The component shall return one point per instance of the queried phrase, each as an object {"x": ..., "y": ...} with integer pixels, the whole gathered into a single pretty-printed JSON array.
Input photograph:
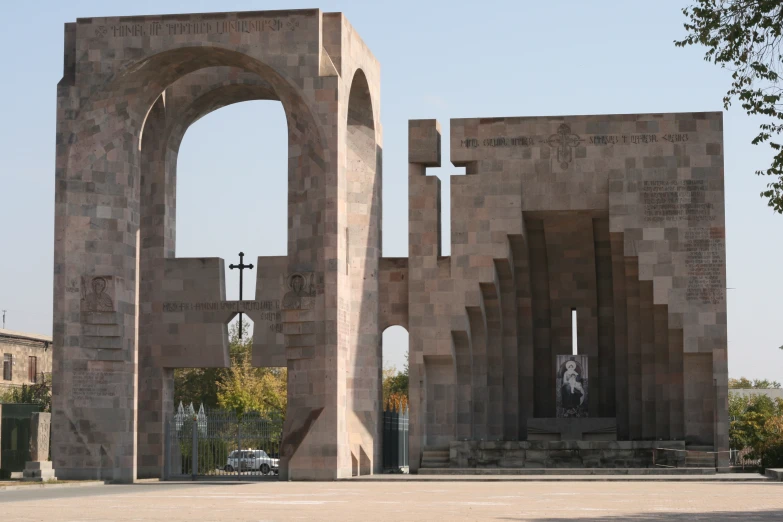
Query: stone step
[
  {"x": 571, "y": 471},
  {"x": 436, "y": 454},
  {"x": 435, "y": 457}
]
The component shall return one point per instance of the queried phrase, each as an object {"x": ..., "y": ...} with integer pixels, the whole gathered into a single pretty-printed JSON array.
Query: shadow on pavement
[{"x": 716, "y": 516}]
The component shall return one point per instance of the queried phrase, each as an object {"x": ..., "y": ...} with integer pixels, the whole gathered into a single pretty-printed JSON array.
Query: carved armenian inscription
[
  {"x": 88, "y": 384},
  {"x": 222, "y": 306},
  {"x": 596, "y": 139},
  {"x": 262, "y": 310},
  {"x": 673, "y": 200},
  {"x": 163, "y": 28},
  {"x": 705, "y": 259}
]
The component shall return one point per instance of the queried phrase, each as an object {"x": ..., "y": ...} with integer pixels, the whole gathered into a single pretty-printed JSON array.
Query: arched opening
[
  {"x": 394, "y": 387},
  {"x": 232, "y": 197},
  {"x": 195, "y": 97},
  {"x": 395, "y": 367},
  {"x": 360, "y": 234},
  {"x": 232, "y": 189}
]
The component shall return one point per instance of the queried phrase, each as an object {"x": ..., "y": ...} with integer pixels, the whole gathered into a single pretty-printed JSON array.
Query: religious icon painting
[
  {"x": 572, "y": 398},
  {"x": 97, "y": 294},
  {"x": 300, "y": 291}
]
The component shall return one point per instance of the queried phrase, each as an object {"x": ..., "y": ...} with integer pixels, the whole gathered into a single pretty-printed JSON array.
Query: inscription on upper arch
[{"x": 160, "y": 28}]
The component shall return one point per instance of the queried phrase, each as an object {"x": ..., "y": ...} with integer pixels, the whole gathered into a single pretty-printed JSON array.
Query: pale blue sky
[{"x": 444, "y": 59}]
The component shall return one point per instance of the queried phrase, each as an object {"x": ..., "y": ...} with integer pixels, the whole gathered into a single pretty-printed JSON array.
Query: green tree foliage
[
  {"x": 198, "y": 386},
  {"x": 240, "y": 388},
  {"x": 395, "y": 388},
  {"x": 38, "y": 393},
  {"x": 756, "y": 422},
  {"x": 756, "y": 384},
  {"x": 744, "y": 36}
]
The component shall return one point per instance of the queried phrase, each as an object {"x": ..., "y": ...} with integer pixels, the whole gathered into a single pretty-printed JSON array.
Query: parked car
[{"x": 252, "y": 460}]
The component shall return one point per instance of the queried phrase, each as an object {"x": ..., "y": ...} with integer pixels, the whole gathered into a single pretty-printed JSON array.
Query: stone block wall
[{"x": 565, "y": 454}]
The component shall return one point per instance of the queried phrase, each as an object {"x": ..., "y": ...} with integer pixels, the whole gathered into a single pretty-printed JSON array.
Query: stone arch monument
[
  {"x": 593, "y": 239},
  {"x": 130, "y": 89}
]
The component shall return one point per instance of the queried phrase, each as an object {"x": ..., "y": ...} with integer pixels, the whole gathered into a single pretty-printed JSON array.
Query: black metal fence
[
  {"x": 218, "y": 444},
  {"x": 395, "y": 439},
  {"x": 15, "y": 436}
]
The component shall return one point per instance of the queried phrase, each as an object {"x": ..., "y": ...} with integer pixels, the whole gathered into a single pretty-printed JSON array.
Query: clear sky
[{"x": 439, "y": 59}]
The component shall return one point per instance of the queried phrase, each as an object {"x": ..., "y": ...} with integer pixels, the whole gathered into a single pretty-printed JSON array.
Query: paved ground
[{"x": 401, "y": 501}]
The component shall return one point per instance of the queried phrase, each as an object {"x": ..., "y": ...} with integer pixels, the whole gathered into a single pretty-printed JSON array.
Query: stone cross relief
[{"x": 564, "y": 141}]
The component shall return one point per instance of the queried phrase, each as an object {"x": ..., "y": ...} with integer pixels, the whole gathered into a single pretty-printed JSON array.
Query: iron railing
[
  {"x": 395, "y": 440},
  {"x": 685, "y": 458},
  {"x": 219, "y": 444}
]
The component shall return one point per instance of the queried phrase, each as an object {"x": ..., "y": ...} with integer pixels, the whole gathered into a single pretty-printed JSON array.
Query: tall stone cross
[{"x": 241, "y": 266}]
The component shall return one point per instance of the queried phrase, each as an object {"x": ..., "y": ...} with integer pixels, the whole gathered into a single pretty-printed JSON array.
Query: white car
[{"x": 252, "y": 460}]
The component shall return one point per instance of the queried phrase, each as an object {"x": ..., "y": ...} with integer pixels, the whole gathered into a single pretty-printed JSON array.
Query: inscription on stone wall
[
  {"x": 673, "y": 200},
  {"x": 596, "y": 139},
  {"x": 499, "y": 141},
  {"x": 89, "y": 384},
  {"x": 705, "y": 260},
  {"x": 226, "y": 306},
  {"x": 195, "y": 28}
]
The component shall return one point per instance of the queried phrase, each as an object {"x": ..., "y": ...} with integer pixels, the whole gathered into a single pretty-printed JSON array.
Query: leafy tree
[
  {"x": 198, "y": 385},
  {"x": 395, "y": 388},
  {"x": 240, "y": 388},
  {"x": 744, "y": 36},
  {"x": 770, "y": 447},
  {"x": 245, "y": 388},
  {"x": 756, "y": 422},
  {"x": 38, "y": 393},
  {"x": 757, "y": 384}
]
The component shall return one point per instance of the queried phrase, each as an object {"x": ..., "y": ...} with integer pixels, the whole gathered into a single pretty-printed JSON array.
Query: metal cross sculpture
[
  {"x": 241, "y": 266},
  {"x": 564, "y": 140}
]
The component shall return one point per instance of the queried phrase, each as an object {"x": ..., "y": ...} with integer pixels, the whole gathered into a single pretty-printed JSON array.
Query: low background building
[{"x": 25, "y": 358}]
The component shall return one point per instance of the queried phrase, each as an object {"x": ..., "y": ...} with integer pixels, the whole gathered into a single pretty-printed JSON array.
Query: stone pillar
[
  {"x": 39, "y": 468},
  {"x": 423, "y": 251}
]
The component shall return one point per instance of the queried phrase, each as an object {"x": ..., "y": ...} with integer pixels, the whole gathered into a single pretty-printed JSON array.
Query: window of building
[
  {"x": 32, "y": 369},
  {"x": 8, "y": 361}
]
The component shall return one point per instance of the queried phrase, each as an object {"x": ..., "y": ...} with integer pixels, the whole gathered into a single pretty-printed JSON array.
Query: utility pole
[{"x": 4, "y": 311}]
